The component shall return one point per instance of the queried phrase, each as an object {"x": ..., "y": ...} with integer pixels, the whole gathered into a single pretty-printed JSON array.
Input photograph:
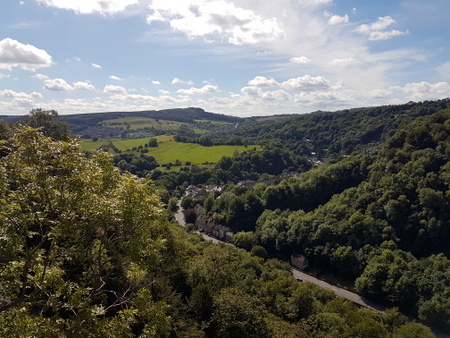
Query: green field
[
  {"x": 136, "y": 123},
  {"x": 169, "y": 151}
]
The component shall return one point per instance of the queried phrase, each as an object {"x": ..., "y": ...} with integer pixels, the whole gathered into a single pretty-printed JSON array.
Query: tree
[
  {"x": 187, "y": 202},
  {"x": 5, "y": 130},
  {"x": 49, "y": 124},
  {"x": 153, "y": 142},
  {"x": 237, "y": 314},
  {"x": 76, "y": 242},
  {"x": 245, "y": 240},
  {"x": 413, "y": 330}
]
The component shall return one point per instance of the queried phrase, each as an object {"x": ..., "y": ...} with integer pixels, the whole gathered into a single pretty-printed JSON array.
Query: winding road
[
  {"x": 355, "y": 298},
  {"x": 179, "y": 217},
  {"x": 351, "y": 296}
]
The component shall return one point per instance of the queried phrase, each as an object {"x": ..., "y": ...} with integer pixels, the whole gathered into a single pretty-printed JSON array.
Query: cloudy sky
[{"x": 237, "y": 57}]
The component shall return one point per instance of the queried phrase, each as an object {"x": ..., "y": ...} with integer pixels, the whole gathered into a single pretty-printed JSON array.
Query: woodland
[{"x": 90, "y": 248}]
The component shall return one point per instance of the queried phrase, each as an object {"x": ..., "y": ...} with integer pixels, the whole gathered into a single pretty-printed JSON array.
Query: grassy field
[
  {"x": 169, "y": 151},
  {"x": 136, "y": 123}
]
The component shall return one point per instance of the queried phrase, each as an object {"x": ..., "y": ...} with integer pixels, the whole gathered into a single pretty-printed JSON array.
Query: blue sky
[{"x": 236, "y": 57}]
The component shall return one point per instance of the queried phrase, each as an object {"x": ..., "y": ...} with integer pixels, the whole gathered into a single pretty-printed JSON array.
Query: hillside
[
  {"x": 89, "y": 248},
  {"x": 334, "y": 134},
  {"x": 379, "y": 218},
  {"x": 88, "y": 251},
  {"x": 117, "y": 124}
]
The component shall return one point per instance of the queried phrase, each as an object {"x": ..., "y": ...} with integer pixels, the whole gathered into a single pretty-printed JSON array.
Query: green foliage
[
  {"x": 48, "y": 122},
  {"x": 153, "y": 143},
  {"x": 244, "y": 240},
  {"x": 140, "y": 165},
  {"x": 334, "y": 134},
  {"x": 77, "y": 239},
  {"x": 413, "y": 330},
  {"x": 187, "y": 202},
  {"x": 379, "y": 218},
  {"x": 87, "y": 251},
  {"x": 236, "y": 314}
]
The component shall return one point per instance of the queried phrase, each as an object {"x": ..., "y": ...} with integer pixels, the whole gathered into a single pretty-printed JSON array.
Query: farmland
[
  {"x": 169, "y": 151},
  {"x": 136, "y": 123}
]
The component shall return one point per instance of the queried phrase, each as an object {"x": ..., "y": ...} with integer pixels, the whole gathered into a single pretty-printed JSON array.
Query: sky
[{"x": 235, "y": 57}]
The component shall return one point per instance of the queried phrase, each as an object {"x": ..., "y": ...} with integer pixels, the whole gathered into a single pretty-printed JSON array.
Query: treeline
[
  {"x": 334, "y": 134},
  {"x": 88, "y": 251},
  {"x": 249, "y": 165},
  {"x": 381, "y": 219},
  {"x": 186, "y": 135}
]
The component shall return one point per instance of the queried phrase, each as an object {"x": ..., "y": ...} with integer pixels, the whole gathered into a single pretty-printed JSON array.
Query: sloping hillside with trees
[
  {"x": 381, "y": 219},
  {"x": 86, "y": 250}
]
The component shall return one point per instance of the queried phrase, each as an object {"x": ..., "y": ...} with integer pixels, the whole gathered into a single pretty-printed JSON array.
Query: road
[
  {"x": 351, "y": 296},
  {"x": 179, "y": 217}
]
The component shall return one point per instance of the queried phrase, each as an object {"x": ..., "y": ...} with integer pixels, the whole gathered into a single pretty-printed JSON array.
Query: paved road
[
  {"x": 355, "y": 298},
  {"x": 179, "y": 217}
]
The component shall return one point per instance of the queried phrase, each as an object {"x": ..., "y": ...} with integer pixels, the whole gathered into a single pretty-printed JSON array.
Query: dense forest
[
  {"x": 89, "y": 249},
  {"x": 380, "y": 218}
]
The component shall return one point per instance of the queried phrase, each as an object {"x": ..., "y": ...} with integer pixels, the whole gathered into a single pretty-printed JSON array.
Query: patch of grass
[
  {"x": 87, "y": 144},
  {"x": 169, "y": 151},
  {"x": 128, "y": 144},
  {"x": 136, "y": 123}
]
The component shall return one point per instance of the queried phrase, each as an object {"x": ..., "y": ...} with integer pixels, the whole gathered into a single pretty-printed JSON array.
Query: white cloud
[
  {"x": 4, "y": 76},
  {"x": 307, "y": 83},
  {"x": 379, "y": 93},
  {"x": 113, "y": 77},
  {"x": 57, "y": 85},
  {"x": 197, "y": 18},
  {"x": 419, "y": 91},
  {"x": 83, "y": 85},
  {"x": 40, "y": 76},
  {"x": 111, "y": 89},
  {"x": 252, "y": 91},
  {"x": 344, "y": 62},
  {"x": 60, "y": 85},
  {"x": 300, "y": 59},
  {"x": 257, "y": 93},
  {"x": 385, "y": 35},
  {"x": 20, "y": 99},
  {"x": 94, "y": 65},
  {"x": 178, "y": 81},
  {"x": 375, "y": 29},
  {"x": 19, "y": 95},
  {"x": 163, "y": 92},
  {"x": 90, "y": 6},
  {"x": 315, "y": 2},
  {"x": 199, "y": 91},
  {"x": 276, "y": 95},
  {"x": 28, "y": 57},
  {"x": 338, "y": 20},
  {"x": 156, "y": 82},
  {"x": 382, "y": 23},
  {"x": 261, "y": 81}
]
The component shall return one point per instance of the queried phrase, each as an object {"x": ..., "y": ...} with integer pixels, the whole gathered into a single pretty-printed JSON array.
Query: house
[
  {"x": 299, "y": 261},
  {"x": 209, "y": 227}
]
